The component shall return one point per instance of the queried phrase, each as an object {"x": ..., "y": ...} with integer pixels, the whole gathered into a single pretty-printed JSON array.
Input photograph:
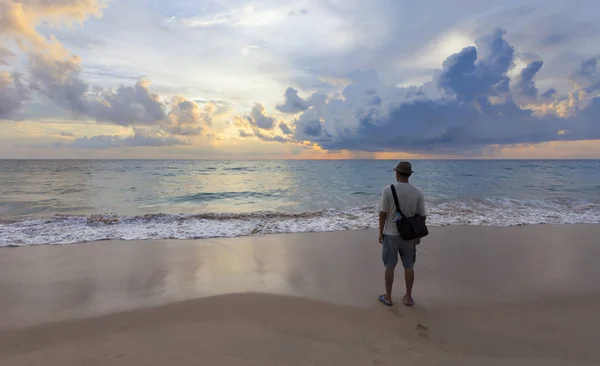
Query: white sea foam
[{"x": 491, "y": 212}]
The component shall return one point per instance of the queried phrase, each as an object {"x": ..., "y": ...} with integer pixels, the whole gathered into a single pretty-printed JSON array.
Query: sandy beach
[{"x": 484, "y": 296}]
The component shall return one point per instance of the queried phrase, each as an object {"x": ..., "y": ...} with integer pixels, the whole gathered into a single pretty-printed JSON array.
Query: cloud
[
  {"x": 564, "y": 106},
  {"x": 77, "y": 39},
  {"x": 586, "y": 76},
  {"x": 285, "y": 129},
  {"x": 13, "y": 94},
  {"x": 221, "y": 107},
  {"x": 126, "y": 106},
  {"x": 554, "y": 31},
  {"x": 310, "y": 127},
  {"x": 258, "y": 117},
  {"x": 140, "y": 138},
  {"x": 66, "y": 134},
  {"x": 550, "y": 93},
  {"x": 19, "y": 19},
  {"x": 72, "y": 9},
  {"x": 265, "y": 137},
  {"x": 186, "y": 117},
  {"x": 262, "y": 136},
  {"x": 56, "y": 75},
  {"x": 475, "y": 109},
  {"x": 60, "y": 81},
  {"x": 524, "y": 84},
  {"x": 244, "y": 133},
  {"x": 111, "y": 75},
  {"x": 5, "y": 55},
  {"x": 586, "y": 71},
  {"x": 293, "y": 103},
  {"x": 334, "y": 38},
  {"x": 479, "y": 71},
  {"x": 257, "y": 124}
]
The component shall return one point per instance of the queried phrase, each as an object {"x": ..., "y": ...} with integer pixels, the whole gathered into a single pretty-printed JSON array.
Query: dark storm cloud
[{"x": 475, "y": 109}]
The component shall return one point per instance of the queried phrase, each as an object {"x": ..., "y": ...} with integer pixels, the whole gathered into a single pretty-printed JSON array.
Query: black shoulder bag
[{"x": 409, "y": 227}]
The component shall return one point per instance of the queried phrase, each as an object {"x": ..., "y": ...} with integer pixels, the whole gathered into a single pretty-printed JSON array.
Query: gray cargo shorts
[{"x": 394, "y": 245}]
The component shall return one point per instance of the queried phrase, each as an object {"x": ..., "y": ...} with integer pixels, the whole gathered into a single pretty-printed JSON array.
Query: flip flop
[
  {"x": 407, "y": 302},
  {"x": 384, "y": 301}
]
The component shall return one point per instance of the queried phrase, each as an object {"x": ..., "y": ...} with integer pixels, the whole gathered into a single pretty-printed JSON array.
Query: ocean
[{"x": 76, "y": 201}]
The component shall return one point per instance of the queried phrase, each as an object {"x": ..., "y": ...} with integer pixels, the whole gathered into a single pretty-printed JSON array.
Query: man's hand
[{"x": 382, "y": 218}]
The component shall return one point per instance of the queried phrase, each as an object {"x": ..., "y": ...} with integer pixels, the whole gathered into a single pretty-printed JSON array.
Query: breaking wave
[{"x": 67, "y": 229}]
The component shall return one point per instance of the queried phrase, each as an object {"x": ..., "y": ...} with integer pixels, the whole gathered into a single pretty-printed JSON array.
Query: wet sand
[{"x": 485, "y": 295}]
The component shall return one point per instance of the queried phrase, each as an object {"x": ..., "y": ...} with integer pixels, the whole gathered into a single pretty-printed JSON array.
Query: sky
[{"x": 308, "y": 79}]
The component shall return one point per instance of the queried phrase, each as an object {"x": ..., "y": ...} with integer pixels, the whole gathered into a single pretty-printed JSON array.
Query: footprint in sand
[{"x": 423, "y": 331}]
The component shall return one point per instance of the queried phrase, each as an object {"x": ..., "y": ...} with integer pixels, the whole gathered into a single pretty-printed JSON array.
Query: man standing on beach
[{"x": 411, "y": 201}]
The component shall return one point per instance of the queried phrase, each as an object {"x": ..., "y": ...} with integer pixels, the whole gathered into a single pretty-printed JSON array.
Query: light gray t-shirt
[{"x": 410, "y": 199}]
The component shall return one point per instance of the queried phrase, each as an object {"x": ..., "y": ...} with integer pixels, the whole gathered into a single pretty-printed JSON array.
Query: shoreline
[
  {"x": 484, "y": 295},
  {"x": 251, "y": 235}
]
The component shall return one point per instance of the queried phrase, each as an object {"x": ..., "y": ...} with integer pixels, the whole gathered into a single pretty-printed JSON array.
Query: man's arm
[
  {"x": 421, "y": 207},
  {"x": 383, "y": 212},
  {"x": 382, "y": 218}
]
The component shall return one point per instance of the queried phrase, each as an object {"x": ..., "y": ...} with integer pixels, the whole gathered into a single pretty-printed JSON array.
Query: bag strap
[{"x": 396, "y": 201}]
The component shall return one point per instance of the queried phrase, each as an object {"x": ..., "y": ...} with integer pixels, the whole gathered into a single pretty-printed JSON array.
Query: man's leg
[
  {"x": 389, "y": 283},
  {"x": 409, "y": 280},
  {"x": 389, "y": 254},
  {"x": 408, "y": 254}
]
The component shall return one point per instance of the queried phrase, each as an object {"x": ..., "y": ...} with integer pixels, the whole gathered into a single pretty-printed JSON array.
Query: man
[{"x": 411, "y": 201}]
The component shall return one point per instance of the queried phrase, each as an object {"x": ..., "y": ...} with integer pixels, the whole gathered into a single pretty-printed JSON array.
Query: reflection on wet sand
[{"x": 455, "y": 265}]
